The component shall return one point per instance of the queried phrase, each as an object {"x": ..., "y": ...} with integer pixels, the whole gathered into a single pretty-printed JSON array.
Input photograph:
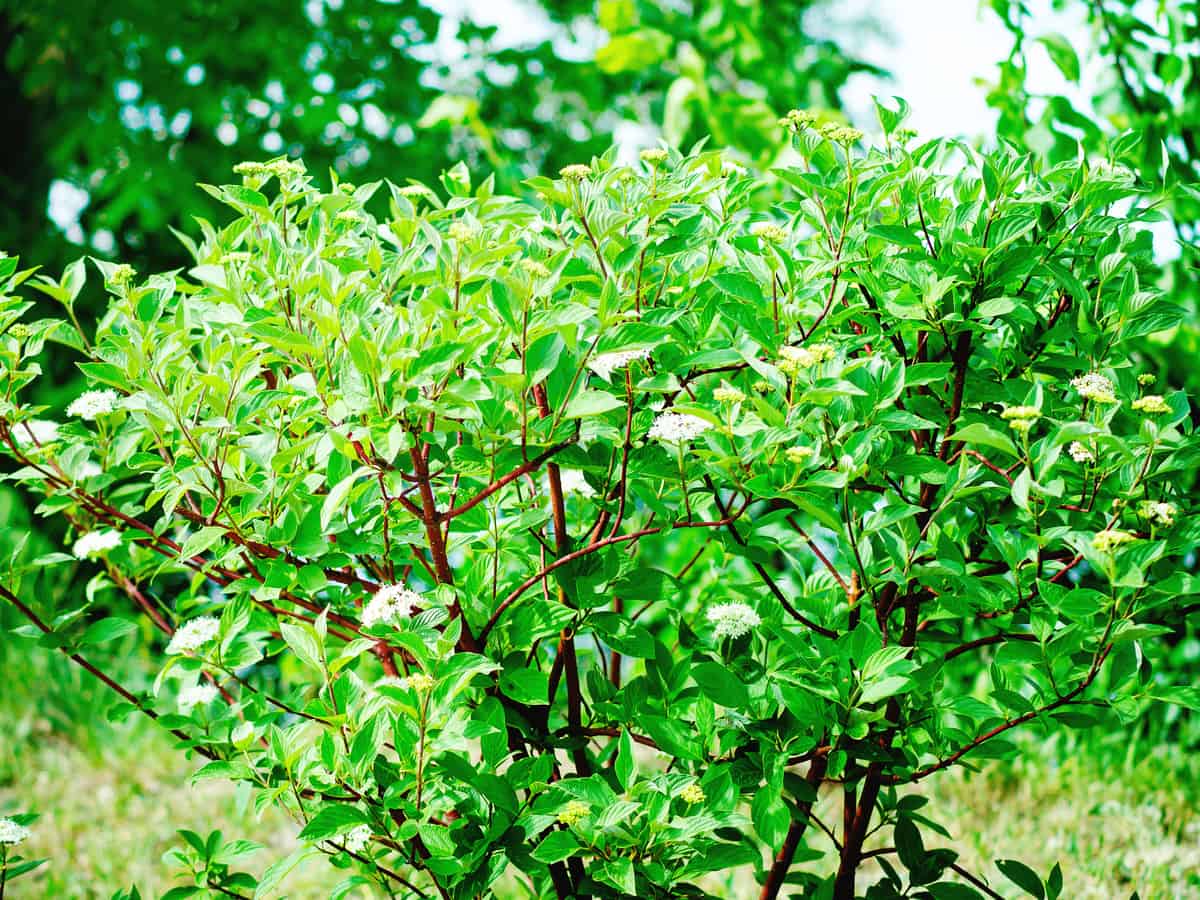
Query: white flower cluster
[
  {"x": 1095, "y": 387},
  {"x": 11, "y": 832},
  {"x": 91, "y": 405},
  {"x": 357, "y": 838},
  {"x": 534, "y": 268},
  {"x": 769, "y": 232},
  {"x": 1152, "y": 405},
  {"x": 197, "y": 695},
  {"x": 1110, "y": 539},
  {"x": 36, "y": 431},
  {"x": 576, "y": 172},
  {"x": 678, "y": 428},
  {"x": 728, "y": 394},
  {"x": 122, "y": 275},
  {"x": 390, "y": 602},
  {"x": 733, "y": 619},
  {"x": 797, "y": 455},
  {"x": 194, "y": 634},
  {"x": 1021, "y": 418},
  {"x": 1159, "y": 512},
  {"x": 1081, "y": 453},
  {"x": 607, "y": 363},
  {"x": 793, "y": 359},
  {"x": 96, "y": 543},
  {"x": 573, "y": 482},
  {"x": 463, "y": 232},
  {"x": 573, "y": 813},
  {"x": 418, "y": 681}
]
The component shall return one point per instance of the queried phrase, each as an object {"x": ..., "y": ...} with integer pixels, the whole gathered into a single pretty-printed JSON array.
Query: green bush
[{"x": 569, "y": 548}]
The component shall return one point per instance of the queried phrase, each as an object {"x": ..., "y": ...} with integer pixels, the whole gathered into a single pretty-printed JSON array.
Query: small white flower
[
  {"x": 793, "y": 359},
  {"x": 96, "y": 543},
  {"x": 573, "y": 482},
  {"x": 728, "y": 394},
  {"x": 576, "y": 172},
  {"x": 573, "y": 813},
  {"x": 1021, "y": 418},
  {"x": 357, "y": 838},
  {"x": 1159, "y": 512},
  {"x": 769, "y": 232},
  {"x": 194, "y": 634},
  {"x": 11, "y": 832},
  {"x": 36, "y": 431},
  {"x": 1110, "y": 539},
  {"x": 390, "y": 602},
  {"x": 678, "y": 428},
  {"x": 733, "y": 619},
  {"x": 463, "y": 232},
  {"x": 91, "y": 405},
  {"x": 197, "y": 695},
  {"x": 1095, "y": 387},
  {"x": 1152, "y": 405},
  {"x": 606, "y": 363},
  {"x": 798, "y": 455},
  {"x": 1080, "y": 453},
  {"x": 419, "y": 682}
]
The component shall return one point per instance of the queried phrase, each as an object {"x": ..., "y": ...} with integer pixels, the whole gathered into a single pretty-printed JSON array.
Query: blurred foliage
[
  {"x": 136, "y": 101},
  {"x": 1140, "y": 59},
  {"x": 1136, "y": 71}
]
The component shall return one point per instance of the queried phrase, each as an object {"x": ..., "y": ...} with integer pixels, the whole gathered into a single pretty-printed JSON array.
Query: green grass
[{"x": 1118, "y": 816}]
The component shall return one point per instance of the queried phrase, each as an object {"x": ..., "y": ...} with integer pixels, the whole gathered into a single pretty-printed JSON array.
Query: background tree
[{"x": 137, "y": 101}]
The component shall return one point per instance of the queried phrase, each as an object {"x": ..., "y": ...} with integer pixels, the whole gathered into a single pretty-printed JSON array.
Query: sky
[{"x": 938, "y": 52}]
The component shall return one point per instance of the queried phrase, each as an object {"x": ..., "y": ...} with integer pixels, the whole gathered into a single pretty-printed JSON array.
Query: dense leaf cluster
[{"x": 594, "y": 545}]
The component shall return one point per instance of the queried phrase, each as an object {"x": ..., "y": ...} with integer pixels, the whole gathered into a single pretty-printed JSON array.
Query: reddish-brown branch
[
  {"x": 525, "y": 468},
  {"x": 436, "y": 540},
  {"x": 763, "y": 574},
  {"x": 787, "y": 852},
  {"x": 817, "y": 552},
  {"x": 579, "y": 554},
  {"x": 1006, "y": 726},
  {"x": 88, "y": 667},
  {"x": 984, "y": 642}
]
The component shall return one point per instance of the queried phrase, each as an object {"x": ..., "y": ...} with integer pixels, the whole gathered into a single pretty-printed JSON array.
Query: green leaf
[
  {"x": 1022, "y": 876},
  {"x": 555, "y": 847},
  {"x": 617, "y": 15},
  {"x": 278, "y": 871},
  {"x": 303, "y": 641},
  {"x": 332, "y": 820},
  {"x": 336, "y": 498},
  {"x": 636, "y": 50},
  {"x": 542, "y": 357},
  {"x": 107, "y": 630},
  {"x": 720, "y": 685},
  {"x": 201, "y": 540},
  {"x": 998, "y": 306},
  {"x": 984, "y": 435},
  {"x": 738, "y": 285},
  {"x": 1062, "y": 54},
  {"x": 626, "y": 764},
  {"x": 592, "y": 403}
]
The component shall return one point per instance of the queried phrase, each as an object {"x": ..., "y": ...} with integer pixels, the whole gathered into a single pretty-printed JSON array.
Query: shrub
[{"x": 573, "y": 546}]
